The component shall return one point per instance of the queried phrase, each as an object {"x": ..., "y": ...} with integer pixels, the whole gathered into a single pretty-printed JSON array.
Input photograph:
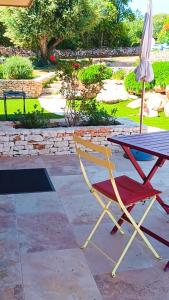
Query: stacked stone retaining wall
[
  {"x": 32, "y": 87},
  {"x": 98, "y": 52},
  {"x": 82, "y": 53},
  {"x": 9, "y": 51},
  {"x": 58, "y": 141}
]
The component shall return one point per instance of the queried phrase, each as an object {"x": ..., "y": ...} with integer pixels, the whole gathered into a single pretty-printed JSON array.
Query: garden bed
[{"x": 58, "y": 141}]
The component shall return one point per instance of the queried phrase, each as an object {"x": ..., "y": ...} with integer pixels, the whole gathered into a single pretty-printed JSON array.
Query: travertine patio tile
[
  {"x": 69, "y": 185},
  {"x": 6, "y": 205},
  {"x": 8, "y": 231},
  {"x": 46, "y": 231},
  {"x": 13, "y": 293},
  {"x": 141, "y": 284},
  {"x": 64, "y": 170},
  {"x": 20, "y": 162},
  {"x": 10, "y": 281},
  {"x": 7, "y": 222},
  {"x": 52, "y": 226},
  {"x": 37, "y": 203},
  {"x": 58, "y": 275},
  {"x": 9, "y": 249},
  {"x": 84, "y": 209},
  {"x": 62, "y": 165},
  {"x": 10, "y": 267}
]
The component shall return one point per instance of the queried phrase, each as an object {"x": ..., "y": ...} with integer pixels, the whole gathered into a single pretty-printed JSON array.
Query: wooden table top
[{"x": 156, "y": 143}]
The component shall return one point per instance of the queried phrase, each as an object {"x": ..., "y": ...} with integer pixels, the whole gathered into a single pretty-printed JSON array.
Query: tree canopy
[
  {"x": 48, "y": 22},
  {"x": 163, "y": 36},
  {"x": 158, "y": 23},
  {"x": 109, "y": 29}
]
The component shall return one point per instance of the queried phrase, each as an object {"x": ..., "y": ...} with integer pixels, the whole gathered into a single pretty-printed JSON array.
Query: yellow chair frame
[{"x": 82, "y": 145}]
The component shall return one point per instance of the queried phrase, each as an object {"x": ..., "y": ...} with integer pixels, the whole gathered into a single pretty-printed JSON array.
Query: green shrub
[
  {"x": 161, "y": 78},
  {"x": 94, "y": 114},
  {"x": 119, "y": 75},
  {"x": 34, "y": 119},
  {"x": 18, "y": 67},
  {"x": 1, "y": 71},
  {"x": 94, "y": 74},
  {"x": 133, "y": 86},
  {"x": 161, "y": 73}
]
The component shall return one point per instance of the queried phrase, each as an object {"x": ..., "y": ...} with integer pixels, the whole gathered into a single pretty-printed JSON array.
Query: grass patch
[
  {"x": 14, "y": 104},
  {"x": 133, "y": 114},
  {"x": 122, "y": 111}
]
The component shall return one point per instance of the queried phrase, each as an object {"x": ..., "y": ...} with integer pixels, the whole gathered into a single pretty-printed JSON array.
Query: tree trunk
[
  {"x": 53, "y": 43},
  {"x": 43, "y": 47},
  {"x": 102, "y": 39}
]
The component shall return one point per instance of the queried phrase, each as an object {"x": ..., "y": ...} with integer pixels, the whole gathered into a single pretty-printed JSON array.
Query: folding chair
[{"x": 122, "y": 190}]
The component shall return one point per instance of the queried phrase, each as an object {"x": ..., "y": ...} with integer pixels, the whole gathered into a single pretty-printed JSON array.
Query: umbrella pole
[{"x": 142, "y": 107}]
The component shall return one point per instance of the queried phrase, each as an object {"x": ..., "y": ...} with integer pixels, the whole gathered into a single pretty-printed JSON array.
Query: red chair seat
[{"x": 130, "y": 190}]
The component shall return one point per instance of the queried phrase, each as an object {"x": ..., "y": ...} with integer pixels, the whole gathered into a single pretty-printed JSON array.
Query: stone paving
[
  {"x": 41, "y": 234},
  {"x": 52, "y": 100}
]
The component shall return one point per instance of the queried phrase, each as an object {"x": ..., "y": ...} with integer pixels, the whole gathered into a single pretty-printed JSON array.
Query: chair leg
[
  {"x": 123, "y": 254},
  {"x": 95, "y": 227},
  {"x": 108, "y": 212},
  {"x": 105, "y": 211},
  {"x": 115, "y": 222},
  {"x": 120, "y": 221},
  {"x": 137, "y": 230}
]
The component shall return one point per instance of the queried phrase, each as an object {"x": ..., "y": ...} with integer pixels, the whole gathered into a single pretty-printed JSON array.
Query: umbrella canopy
[
  {"x": 18, "y": 3},
  {"x": 144, "y": 72}
]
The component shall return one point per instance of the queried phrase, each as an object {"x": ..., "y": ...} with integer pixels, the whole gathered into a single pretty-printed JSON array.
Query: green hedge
[
  {"x": 161, "y": 72},
  {"x": 119, "y": 74},
  {"x": 1, "y": 71},
  {"x": 161, "y": 78},
  {"x": 94, "y": 74},
  {"x": 17, "y": 67},
  {"x": 133, "y": 86}
]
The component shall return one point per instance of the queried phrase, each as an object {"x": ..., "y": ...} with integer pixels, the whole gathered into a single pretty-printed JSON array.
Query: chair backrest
[{"x": 82, "y": 145}]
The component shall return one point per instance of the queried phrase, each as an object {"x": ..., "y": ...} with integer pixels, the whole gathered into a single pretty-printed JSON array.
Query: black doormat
[{"x": 25, "y": 181}]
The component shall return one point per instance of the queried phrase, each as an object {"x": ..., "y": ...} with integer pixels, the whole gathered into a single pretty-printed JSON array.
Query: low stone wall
[
  {"x": 9, "y": 51},
  {"x": 58, "y": 141},
  {"x": 100, "y": 52},
  {"x": 104, "y": 52},
  {"x": 32, "y": 87}
]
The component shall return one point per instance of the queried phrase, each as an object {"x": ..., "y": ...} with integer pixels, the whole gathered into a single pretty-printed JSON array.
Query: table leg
[
  {"x": 146, "y": 179},
  {"x": 24, "y": 106},
  {"x": 121, "y": 220},
  {"x": 166, "y": 267},
  {"x": 5, "y": 109}
]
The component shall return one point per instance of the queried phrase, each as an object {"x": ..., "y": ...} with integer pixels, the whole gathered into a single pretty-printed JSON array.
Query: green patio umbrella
[{"x": 144, "y": 72}]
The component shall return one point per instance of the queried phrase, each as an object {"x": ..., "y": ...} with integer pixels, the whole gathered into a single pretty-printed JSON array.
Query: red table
[{"x": 156, "y": 144}]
